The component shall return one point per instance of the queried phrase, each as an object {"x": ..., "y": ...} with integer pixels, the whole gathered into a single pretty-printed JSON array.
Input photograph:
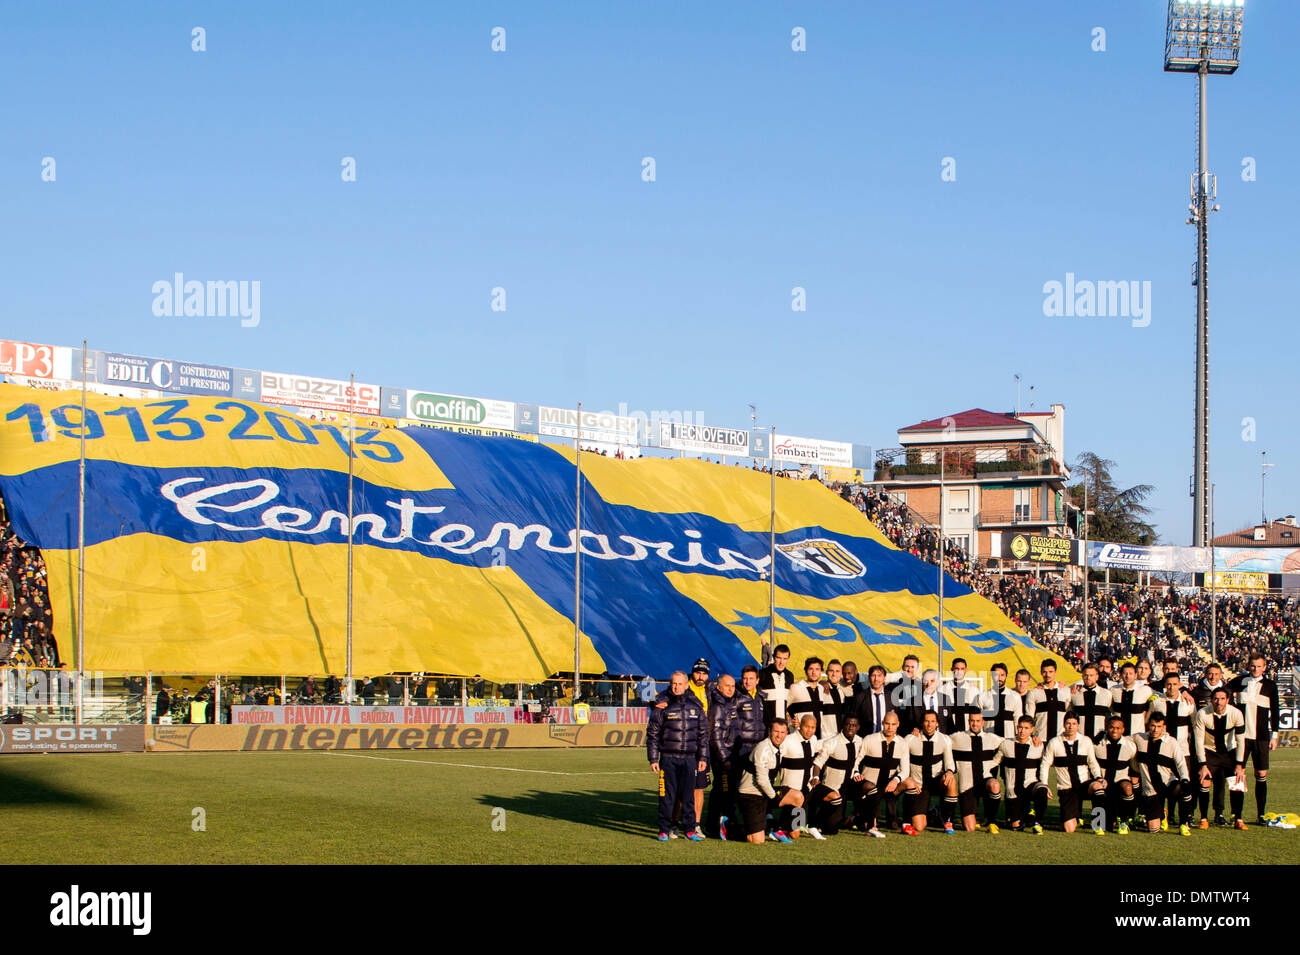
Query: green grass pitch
[{"x": 427, "y": 806}]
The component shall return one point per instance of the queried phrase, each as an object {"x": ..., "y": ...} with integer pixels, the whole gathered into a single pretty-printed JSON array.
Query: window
[
  {"x": 959, "y": 501},
  {"x": 898, "y": 497},
  {"x": 1022, "y": 503}
]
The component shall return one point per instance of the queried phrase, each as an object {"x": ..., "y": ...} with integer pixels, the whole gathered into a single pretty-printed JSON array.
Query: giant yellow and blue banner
[{"x": 216, "y": 537}]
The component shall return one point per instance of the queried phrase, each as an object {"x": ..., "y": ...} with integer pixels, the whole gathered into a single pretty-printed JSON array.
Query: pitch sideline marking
[{"x": 508, "y": 769}]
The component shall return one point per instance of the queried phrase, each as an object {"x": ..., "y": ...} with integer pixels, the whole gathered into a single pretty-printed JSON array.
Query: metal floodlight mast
[
  {"x": 1206, "y": 31},
  {"x": 1202, "y": 37}
]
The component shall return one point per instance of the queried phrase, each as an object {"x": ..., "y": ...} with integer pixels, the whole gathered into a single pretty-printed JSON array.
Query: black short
[
  {"x": 1220, "y": 764},
  {"x": 969, "y": 801},
  {"x": 1071, "y": 801},
  {"x": 753, "y": 812},
  {"x": 1257, "y": 750},
  {"x": 1153, "y": 806},
  {"x": 919, "y": 802},
  {"x": 702, "y": 780},
  {"x": 817, "y": 795}
]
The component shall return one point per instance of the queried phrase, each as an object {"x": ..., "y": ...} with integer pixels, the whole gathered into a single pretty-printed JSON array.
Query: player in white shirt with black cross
[
  {"x": 977, "y": 755},
  {"x": 1077, "y": 773},
  {"x": 1219, "y": 741},
  {"x": 1131, "y": 700}
]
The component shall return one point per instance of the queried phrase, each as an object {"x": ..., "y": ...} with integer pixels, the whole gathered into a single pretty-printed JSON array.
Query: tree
[{"x": 1120, "y": 516}]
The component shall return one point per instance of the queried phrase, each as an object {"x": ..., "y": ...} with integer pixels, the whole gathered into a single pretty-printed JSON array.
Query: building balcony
[{"x": 1007, "y": 461}]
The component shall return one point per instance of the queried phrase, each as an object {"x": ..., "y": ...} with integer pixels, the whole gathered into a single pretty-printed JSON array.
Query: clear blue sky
[{"x": 775, "y": 169}]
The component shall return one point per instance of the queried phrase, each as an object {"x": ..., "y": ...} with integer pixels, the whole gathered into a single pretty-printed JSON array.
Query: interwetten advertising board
[{"x": 306, "y": 736}]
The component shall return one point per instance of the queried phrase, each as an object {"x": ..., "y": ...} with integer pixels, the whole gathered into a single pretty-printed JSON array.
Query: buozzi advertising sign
[
  {"x": 704, "y": 439},
  {"x": 323, "y": 394},
  {"x": 434, "y": 408}
]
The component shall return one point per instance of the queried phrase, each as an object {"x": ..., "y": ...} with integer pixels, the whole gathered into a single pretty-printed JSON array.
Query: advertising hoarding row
[
  {"x": 51, "y": 367},
  {"x": 264, "y": 737},
  {"x": 510, "y": 715}
]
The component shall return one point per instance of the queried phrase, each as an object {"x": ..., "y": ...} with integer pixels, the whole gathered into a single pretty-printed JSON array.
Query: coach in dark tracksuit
[
  {"x": 744, "y": 729},
  {"x": 677, "y": 744},
  {"x": 723, "y": 699}
]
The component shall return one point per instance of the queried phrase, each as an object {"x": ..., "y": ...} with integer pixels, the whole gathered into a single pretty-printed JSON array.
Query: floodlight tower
[{"x": 1202, "y": 37}]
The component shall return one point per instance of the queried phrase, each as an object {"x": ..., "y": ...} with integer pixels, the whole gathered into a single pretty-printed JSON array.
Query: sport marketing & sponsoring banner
[{"x": 59, "y": 738}]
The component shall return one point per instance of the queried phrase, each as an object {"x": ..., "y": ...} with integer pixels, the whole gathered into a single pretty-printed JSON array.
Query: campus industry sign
[{"x": 1035, "y": 547}]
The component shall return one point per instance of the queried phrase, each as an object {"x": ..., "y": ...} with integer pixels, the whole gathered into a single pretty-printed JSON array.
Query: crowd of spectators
[{"x": 1151, "y": 623}]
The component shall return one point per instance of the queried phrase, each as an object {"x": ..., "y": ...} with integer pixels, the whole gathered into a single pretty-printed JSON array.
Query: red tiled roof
[
  {"x": 1246, "y": 537},
  {"x": 968, "y": 420}
]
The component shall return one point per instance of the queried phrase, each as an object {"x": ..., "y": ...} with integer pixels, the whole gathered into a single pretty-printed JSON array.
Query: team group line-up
[{"x": 815, "y": 756}]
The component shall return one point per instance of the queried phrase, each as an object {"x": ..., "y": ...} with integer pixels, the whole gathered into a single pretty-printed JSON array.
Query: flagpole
[
  {"x": 1214, "y": 609},
  {"x": 771, "y": 557},
  {"x": 81, "y": 551},
  {"x": 942, "y": 461},
  {"x": 352, "y": 388},
  {"x": 577, "y": 557}
]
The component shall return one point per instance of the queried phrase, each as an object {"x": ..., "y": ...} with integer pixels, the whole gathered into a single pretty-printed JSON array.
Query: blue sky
[{"x": 774, "y": 169}]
